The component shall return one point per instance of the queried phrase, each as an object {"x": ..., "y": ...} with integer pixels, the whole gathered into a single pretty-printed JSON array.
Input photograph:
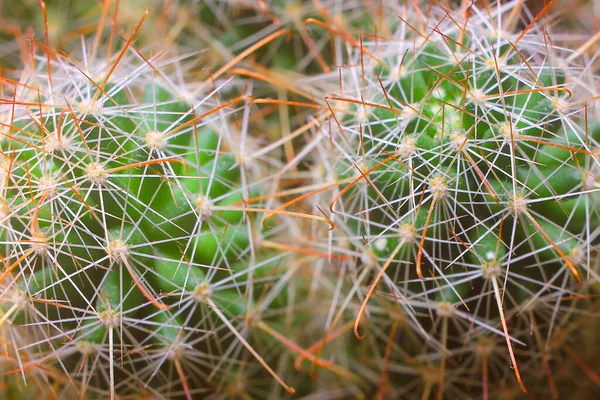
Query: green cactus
[
  {"x": 204, "y": 199},
  {"x": 499, "y": 166}
]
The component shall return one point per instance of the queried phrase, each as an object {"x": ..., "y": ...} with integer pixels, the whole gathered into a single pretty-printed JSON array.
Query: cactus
[
  {"x": 177, "y": 223},
  {"x": 467, "y": 162},
  {"x": 131, "y": 225}
]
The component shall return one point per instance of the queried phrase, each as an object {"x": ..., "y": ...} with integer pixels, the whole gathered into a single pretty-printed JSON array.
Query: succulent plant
[
  {"x": 467, "y": 157},
  {"x": 213, "y": 221},
  {"x": 130, "y": 225}
]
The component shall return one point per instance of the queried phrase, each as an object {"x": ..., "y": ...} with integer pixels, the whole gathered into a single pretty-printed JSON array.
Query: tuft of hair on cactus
[{"x": 465, "y": 147}]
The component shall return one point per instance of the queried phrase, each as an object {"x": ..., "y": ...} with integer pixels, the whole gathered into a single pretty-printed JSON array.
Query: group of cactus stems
[{"x": 284, "y": 199}]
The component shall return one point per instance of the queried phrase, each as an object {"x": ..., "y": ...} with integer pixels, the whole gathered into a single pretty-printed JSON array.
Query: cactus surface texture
[{"x": 280, "y": 199}]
